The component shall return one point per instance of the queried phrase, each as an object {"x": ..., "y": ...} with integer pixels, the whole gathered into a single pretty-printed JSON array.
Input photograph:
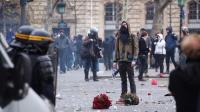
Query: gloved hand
[
  {"x": 114, "y": 65},
  {"x": 133, "y": 63}
]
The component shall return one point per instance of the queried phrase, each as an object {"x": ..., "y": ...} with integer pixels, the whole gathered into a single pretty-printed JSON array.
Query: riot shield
[{"x": 4, "y": 58}]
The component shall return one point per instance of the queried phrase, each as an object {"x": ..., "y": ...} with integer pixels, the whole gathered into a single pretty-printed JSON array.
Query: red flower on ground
[{"x": 101, "y": 102}]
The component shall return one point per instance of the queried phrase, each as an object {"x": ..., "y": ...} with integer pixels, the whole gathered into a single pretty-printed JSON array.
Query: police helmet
[
  {"x": 23, "y": 33},
  {"x": 40, "y": 37},
  {"x": 93, "y": 33},
  {"x": 22, "y": 36}
]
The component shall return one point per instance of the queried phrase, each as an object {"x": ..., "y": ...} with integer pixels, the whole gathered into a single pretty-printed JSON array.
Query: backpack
[{"x": 86, "y": 52}]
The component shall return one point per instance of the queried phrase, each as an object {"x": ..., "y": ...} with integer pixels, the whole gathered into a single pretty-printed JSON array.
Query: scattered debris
[
  {"x": 58, "y": 96},
  {"x": 162, "y": 85},
  {"x": 115, "y": 107},
  {"x": 142, "y": 84},
  {"x": 154, "y": 82},
  {"x": 78, "y": 109}
]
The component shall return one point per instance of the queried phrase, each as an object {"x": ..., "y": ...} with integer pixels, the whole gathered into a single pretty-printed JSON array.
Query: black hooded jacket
[{"x": 184, "y": 84}]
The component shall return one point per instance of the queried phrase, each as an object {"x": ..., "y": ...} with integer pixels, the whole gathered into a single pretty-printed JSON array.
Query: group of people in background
[{"x": 155, "y": 49}]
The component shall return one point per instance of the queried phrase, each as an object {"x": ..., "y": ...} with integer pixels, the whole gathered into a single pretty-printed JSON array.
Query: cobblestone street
[{"x": 76, "y": 95}]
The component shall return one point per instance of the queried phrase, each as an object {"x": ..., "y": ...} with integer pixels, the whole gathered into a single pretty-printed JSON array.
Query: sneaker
[
  {"x": 167, "y": 72},
  {"x": 162, "y": 75},
  {"x": 95, "y": 80},
  {"x": 86, "y": 80},
  {"x": 156, "y": 70},
  {"x": 146, "y": 75},
  {"x": 62, "y": 72},
  {"x": 141, "y": 79}
]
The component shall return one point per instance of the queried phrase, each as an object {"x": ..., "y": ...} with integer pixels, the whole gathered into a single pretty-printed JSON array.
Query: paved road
[{"x": 76, "y": 95}]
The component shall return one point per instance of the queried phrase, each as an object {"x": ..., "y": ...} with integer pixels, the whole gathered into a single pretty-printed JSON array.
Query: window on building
[
  {"x": 149, "y": 10},
  {"x": 113, "y": 11},
  {"x": 109, "y": 12},
  {"x": 194, "y": 16},
  {"x": 193, "y": 10}
]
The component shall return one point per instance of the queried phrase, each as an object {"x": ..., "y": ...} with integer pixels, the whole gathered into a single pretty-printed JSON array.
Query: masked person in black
[
  {"x": 90, "y": 54},
  {"x": 124, "y": 55},
  {"x": 171, "y": 43}
]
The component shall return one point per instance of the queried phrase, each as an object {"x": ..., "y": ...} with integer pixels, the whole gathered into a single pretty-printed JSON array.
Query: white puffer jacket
[{"x": 160, "y": 45}]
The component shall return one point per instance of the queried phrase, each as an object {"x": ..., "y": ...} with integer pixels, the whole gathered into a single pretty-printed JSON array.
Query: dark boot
[
  {"x": 86, "y": 75},
  {"x": 95, "y": 76}
]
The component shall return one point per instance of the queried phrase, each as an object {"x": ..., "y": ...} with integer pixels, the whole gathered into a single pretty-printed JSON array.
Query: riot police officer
[
  {"x": 42, "y": 76},
  {"x": 15, "y": 93},
  {"x": 35, "y": 43},
  {"x": 91, "y": 53}
]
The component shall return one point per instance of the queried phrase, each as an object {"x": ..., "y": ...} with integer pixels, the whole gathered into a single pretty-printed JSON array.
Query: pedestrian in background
[
  {"x": 107, "y": 53},
  {"x": 61, "y": 44},
  {"x": 142, "y": 55},
  {"x": 148, "y": 44},
  {"x": 160, "y": 53},
  {"x": 9, "y": 36},
  {"x": 90, "y": 54},
  {"x": 78, "y": 41},
  {"x": 69, "y": 54},
  {"x": 184, "y": 81},
  {"x": 182, "y": 57},
  {"x": 153, "y": 47},
  {"x": 124, "y": 55},
  {"x": 171, "y": 43}
]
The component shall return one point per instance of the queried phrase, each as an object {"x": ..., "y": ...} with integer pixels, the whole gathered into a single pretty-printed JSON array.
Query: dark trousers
[
  {"x": 108, "y": 62},
  {"x": 160, "y": 61},
  {"x": 142, "y": 65},
  {"x": 78, "y": 60},
  {"x": 170, "y": 55},
  {"x": 125, "y": 69},
  {"x": 156, "y": 61},
  {"x": 62, "y": 59},
  {"x": 90, "y": 63}
]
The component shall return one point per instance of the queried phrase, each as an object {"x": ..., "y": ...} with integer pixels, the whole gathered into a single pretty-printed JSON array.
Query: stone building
[{"x": 105, "y": 15}]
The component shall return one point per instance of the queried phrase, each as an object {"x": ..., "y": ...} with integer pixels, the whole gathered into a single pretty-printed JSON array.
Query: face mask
[{"x": 123, "y": 29}]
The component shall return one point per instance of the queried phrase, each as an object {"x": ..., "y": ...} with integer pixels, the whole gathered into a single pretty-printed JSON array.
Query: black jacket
[
  {"x": 42, "y": 76},
  {"x": 143, "y": 50},
  {"x": 184, "y": 84}
]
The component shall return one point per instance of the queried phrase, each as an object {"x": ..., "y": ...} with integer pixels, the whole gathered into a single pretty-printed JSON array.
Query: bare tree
[
  {"x": 51, "y": 5},
  {"x": 160, "y": 5},
  {"x": 76, "y": 7}
]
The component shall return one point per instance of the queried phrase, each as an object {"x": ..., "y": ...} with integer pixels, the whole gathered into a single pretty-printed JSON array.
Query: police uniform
[{"x": 35, "y": 43}]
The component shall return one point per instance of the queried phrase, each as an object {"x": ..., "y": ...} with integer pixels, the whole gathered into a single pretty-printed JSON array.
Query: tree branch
[
  {"x": 82, "y": 3},
  {"x": 52, "y": 10},
  {"x": 164, "y": 4}
]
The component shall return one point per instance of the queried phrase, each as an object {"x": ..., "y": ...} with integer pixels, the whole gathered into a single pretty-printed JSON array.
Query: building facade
[{"x": 105, "y": 15}]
